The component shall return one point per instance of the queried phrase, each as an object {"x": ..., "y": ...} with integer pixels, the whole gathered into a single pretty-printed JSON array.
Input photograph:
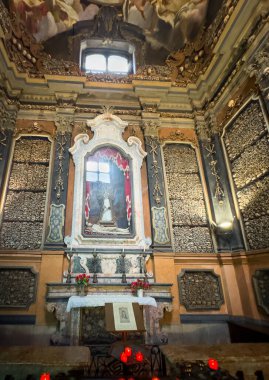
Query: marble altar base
[{"x": 82, "y": 324}]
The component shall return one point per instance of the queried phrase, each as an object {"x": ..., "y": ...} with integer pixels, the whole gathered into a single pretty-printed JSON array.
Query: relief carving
[{"x": 200, "y": 290}]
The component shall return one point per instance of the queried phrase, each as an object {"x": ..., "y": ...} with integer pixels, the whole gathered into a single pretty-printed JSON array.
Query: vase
[
  {"x": 140, "y": 292},
  {"x": 82, "y": 290}
]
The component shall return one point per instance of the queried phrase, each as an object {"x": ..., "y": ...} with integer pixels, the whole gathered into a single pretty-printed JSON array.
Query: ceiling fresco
[{"x": 167, "y": 24}]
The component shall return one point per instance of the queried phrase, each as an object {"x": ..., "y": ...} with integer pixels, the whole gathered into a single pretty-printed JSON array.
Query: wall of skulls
[
  {"x": 24, "y": 208},
  {"x": 17, "y": 287},
  {"x": 188, "y": 213},
  {"x": 249, "y": 162}
]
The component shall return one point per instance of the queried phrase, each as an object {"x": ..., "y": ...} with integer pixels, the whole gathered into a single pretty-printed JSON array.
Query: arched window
[{"x": 117, "y": 58}]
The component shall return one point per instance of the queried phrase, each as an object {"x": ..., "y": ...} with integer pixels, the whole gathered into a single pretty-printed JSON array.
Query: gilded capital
[
  {"x": 64, "y": 123},
  {"x": 150, "y": 127}
]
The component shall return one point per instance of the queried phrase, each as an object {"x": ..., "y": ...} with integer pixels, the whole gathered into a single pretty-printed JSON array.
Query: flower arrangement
[
  {"x": 140, "y": 284},
  {"x": 82, "y": 279}
]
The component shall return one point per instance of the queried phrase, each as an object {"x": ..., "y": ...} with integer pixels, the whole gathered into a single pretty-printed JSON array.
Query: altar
[{"x": 82, "y": 319}]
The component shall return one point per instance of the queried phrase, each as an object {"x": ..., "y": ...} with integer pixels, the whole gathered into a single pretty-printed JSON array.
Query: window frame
[{"x": 107, "y": 52}]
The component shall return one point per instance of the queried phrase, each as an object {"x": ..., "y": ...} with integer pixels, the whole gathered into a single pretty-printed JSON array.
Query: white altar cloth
[{"x": 100, "y": 300}]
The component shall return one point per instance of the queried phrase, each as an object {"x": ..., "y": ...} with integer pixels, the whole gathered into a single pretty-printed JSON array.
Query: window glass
[
  {"x": 92, "y": 166},
  {"x": 104, "y": 177},
  {"x": 95, "y": 62},
  {"x": 117, "y": 64},
  {"x": 91, "y": 176},
  {"x": 104, "y": 167}
]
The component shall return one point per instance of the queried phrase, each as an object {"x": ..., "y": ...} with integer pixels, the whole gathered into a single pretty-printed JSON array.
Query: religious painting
[
  {"x": 124, "y": 317},
  {"x": 108, "y": 194}
]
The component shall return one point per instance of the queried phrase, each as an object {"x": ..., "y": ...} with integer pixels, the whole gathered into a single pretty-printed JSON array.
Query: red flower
[
  {"x": 140, "y": 284},
  {"x": 82, "y": 279}
]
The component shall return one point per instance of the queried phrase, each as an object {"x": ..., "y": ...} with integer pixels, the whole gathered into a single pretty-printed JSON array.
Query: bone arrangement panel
[
  {"x": 200, "y": 290},
  {"x": 24, "y": 209},
  {"x": 189, "y": 219},
  {"x": 17, "y": 287},
  {"x": 249, "y": 162}
]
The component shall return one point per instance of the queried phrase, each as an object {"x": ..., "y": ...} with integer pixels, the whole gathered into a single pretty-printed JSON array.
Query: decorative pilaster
[
  {"x": 55, "y": 236},
  {"x": 7, "y": 125},
  {"x": 158, "y": 205},
  {"x": 225, "y": 225}
]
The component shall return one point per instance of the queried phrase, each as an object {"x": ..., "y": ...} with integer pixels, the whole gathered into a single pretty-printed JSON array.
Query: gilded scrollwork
[
  {"x": 179, "y": 136},
  {"x": 188, "y": 212},
  {"x": 188, "y": 64}
]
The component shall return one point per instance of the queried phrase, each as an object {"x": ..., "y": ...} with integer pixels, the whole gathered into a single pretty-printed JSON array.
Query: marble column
[
  {"x": 225, "y": 227},
  {"x": 58, "y": 196},
  {"x": 161, "y": 237}
]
